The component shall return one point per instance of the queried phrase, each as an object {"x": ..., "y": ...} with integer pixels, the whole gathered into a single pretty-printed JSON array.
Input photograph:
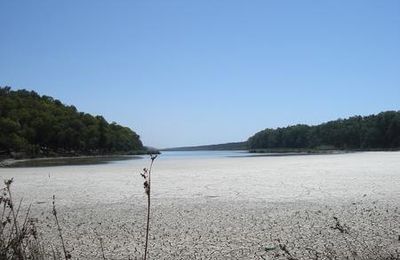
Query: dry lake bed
[{"x": 222, "y": 205}]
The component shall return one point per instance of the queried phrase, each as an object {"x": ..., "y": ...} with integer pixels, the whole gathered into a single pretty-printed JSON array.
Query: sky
[{"x": 203, "y": 72}]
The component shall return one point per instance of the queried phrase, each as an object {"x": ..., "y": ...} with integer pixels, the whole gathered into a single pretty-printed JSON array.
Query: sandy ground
[
  {"x": 298, "y": 207},
  {"x": 223, "y": 229}
]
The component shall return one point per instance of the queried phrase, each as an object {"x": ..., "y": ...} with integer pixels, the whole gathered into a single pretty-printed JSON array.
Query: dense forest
[
  {"x": 32, "y": 125},
  {"x": 381, "y": 131}
]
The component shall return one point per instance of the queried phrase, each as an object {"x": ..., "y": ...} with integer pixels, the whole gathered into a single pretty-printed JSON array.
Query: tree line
[
  {"x": 381, "y": 131},
  {"x": 211, "y": 147},
  {"x": 35, "y": 125}
]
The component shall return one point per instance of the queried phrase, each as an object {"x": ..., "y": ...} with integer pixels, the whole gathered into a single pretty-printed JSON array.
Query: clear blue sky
[{"x": 200, "y": 72}]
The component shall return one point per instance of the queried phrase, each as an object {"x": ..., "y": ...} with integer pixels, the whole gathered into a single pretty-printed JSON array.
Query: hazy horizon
[{"x": 185, "y": 73}]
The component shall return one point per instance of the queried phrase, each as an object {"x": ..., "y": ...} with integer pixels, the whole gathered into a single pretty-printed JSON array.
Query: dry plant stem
[
  {"x": 54, "y": 253},
  {"x": 15, "y": 215},
  {"x": 27, "y": 215},
  {"x": 66, "y": 255},
  {"x": 101, "y": 245},
  {"x": 12, "y": 210},
  {"x": 2, "y": 221},
  {"x": 153, "y": 157},
  {"x": 102, "y": 249}
]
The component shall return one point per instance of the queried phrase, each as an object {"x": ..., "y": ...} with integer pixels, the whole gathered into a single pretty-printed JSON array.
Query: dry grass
[{"x": 18, "y": 235}]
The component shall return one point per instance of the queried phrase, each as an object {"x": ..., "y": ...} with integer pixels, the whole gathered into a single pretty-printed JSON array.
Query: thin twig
[
  {"x": 12, "y": 207},
  {"x": 66, "y": 254},
  {"x": 102, "y": 248},
  {"x": 147, "y": 186},
  {"x": 101, "y": 243}
]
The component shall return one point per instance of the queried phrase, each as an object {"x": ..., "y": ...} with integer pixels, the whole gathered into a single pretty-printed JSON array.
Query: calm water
[{"x": 217, "y": 175}]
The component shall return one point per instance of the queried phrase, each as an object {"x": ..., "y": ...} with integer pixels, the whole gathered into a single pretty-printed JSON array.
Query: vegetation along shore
[
  {"x": 35, "y": 126},
  {"x": 380, "y": 132}
]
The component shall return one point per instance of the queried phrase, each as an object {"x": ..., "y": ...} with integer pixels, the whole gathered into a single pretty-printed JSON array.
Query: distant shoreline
[
  {"x": 318, "y": 151},
  {"x": 288, "y": 151},
  {"x": 211, "y": 147}
]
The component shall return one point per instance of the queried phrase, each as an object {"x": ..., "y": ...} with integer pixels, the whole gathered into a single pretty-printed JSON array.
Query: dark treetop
[
  {"x": 381, "y": 131},
  {"x": 34, "y": 125}
]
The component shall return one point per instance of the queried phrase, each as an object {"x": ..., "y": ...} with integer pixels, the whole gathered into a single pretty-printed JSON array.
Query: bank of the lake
[{"x": 73, "y": 159}]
